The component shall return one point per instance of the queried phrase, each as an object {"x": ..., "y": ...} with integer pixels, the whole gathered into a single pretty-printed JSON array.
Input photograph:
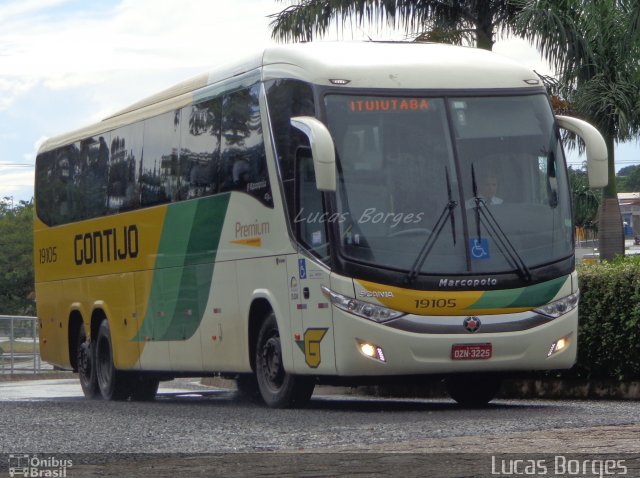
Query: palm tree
[
  {"x": 451, "y": 21},
  {"x": 595, "y": 47}
]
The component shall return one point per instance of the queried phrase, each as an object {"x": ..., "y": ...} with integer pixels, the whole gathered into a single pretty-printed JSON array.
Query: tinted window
[
  {"x": 159, "y": 178},
  {"x": 126, "y": 153},
  {"x": 58, "y": 198},
  {"x": 287, "y": 99},
  {"x": 71, "y": 181},
  {"x": 43, "y": 189},
  {"x": 244, "y": 166},
  {"x": 94, "y": 173},
  {"x": 200, "y": 150},
  {"x": 158, "y": 161}
]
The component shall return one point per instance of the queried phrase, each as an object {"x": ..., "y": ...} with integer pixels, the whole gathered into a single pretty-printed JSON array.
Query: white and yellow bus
[{"x": 320, "y": 212}]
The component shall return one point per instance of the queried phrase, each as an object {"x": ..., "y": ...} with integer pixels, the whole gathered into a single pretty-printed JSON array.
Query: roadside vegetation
[
  {"x": 609, "y": 331},
  {"x": 16, "y": 258}
]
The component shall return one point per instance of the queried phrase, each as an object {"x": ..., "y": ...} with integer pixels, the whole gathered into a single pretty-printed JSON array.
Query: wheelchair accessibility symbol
[{"x": 479, "y": 248}]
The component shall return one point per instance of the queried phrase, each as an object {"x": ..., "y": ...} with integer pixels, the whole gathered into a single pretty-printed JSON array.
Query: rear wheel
[
  {"x": 278, "y": 388},
  {"x": 113, "y": 384},
  {"x": 86, "y": 365},
  {"x": 473, "y": 390}
]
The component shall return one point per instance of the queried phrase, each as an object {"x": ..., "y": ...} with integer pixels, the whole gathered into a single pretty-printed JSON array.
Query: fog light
[
  {"x": 558, "y": 346},
  {"x": 371, "y": 351}
]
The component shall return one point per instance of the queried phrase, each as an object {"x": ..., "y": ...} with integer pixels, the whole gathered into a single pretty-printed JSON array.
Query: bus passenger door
[{"x": 315, "y": 339}]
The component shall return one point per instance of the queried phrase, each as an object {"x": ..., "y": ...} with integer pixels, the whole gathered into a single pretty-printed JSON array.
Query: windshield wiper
[
  {"x": 493, "y": 227},
  {"x": 425, "y": 250}
]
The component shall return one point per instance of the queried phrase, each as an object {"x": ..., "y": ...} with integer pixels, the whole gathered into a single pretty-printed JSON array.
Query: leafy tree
[
  {"x": 585, "y": 200},
  {"x": 595, "y": 48},
  {"x": 450, "y": 21},
  {"x": 628, "y": 179},
  {"x": 631, "y": 182},
  {"x": 16, "y": 258},
  {"x": 627, "y": 170}
]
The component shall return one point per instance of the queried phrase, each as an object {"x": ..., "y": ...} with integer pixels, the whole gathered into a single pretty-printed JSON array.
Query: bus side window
[
  {"x": 310, "y": 220},
  {"x": 126, "y": 152},
  {"x": 159, "y": 172},
  {"x": 244, "y": 164},
  {"x": 200, "y": 149}
]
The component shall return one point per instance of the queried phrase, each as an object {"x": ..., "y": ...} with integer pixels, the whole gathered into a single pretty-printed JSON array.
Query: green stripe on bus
[
  {"x": 532, "y": 296},
  {"x": 184, "y": 268}
]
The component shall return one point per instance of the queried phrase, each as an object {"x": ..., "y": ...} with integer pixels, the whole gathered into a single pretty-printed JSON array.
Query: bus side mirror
[
  {"x": 322, "y": 149},
  {"x": 596, "y": 149}
]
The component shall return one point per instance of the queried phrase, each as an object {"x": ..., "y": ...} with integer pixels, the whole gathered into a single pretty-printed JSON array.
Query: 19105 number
[
  {"x": 435, "y": 303},
  {"x": 48, "y": 255}
]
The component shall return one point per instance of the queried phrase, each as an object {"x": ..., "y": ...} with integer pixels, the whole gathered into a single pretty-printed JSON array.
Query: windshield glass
[{"x": 480, "y": 180}]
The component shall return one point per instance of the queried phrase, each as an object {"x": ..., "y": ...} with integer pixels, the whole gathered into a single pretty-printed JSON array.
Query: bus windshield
[{"x": 456, "y": 185}]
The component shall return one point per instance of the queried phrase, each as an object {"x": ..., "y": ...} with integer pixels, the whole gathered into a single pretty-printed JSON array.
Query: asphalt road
[{"x": 368, "y": 436}]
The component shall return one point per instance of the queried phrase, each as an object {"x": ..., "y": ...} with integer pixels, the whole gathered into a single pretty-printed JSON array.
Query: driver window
[{"x": 310, "y": 220}]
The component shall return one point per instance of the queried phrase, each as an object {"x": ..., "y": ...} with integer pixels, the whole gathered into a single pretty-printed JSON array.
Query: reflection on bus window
[
  {"x": 244, "y": 166},
  {"x": 159, "y": 176},
  {"x": 200, "y": 149}
]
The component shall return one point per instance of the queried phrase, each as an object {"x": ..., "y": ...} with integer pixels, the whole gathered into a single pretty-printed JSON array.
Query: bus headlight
[
  {"x": 559, "y": 307},
  {"x": 374, "y": 312}
]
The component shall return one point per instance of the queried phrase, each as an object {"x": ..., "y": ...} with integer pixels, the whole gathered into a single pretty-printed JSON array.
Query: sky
[{"x": 67, "y": 63}]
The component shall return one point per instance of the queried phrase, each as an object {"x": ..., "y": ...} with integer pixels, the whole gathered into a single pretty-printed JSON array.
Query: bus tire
[
  {"x": 113, "y": 384},
  {"x": 86, "y": 365},
  {"x": 278, "y": 388},
  {"x": 473, "y": 390}
]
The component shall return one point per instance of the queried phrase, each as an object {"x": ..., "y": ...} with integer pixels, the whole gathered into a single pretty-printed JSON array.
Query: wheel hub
[{"x": 272, "y": 361}]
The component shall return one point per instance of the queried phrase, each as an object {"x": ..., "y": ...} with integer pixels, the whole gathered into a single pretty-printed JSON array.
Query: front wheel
[
  {"x": 278, "y": 388},
  {"x": 473, "y": 390}
]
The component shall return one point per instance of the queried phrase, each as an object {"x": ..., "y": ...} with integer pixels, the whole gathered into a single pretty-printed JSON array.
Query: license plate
[{"x": 471, "y": 351}]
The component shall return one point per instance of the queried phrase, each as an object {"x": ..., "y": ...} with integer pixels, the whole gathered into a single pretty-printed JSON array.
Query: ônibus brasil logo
[{"x": 34, "y": 466}]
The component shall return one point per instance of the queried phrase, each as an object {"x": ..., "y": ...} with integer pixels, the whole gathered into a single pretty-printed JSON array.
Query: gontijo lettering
[{"x": 106, "y": 245}]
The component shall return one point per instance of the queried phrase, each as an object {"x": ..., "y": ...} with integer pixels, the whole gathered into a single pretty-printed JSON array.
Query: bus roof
[
  {"x": 404, "y": 65},
  {"x": 396, "y": 65}
]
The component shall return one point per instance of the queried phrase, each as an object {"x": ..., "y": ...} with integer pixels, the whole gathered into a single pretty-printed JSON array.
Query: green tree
[
  {"x": 449, "y": 21},
  {"x": 628, "y": 179},
  {"x": 595, "y": 48},
  {"x": 627, "y": 170},
  {"x": 16, "y": 258},
  {"x": 631, "y": 182},
  {"x": 585, "y": 200}
]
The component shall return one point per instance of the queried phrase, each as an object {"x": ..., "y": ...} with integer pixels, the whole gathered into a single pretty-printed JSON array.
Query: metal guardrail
[{"x": 19, "y": 347}]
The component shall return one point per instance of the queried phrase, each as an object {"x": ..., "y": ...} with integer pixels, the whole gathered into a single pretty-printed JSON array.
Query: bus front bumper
[{"x": 365, "y": 348}]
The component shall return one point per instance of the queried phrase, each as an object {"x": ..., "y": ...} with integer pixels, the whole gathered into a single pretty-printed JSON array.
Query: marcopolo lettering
[
  {"x": 107, "y": 245},
  {"x": 468, "y": 282}
]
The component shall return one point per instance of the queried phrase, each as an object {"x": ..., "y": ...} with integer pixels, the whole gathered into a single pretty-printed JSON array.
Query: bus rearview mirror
[
  {"x": 322, "y": 149},
  {"x": 596, "y": 149}
]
